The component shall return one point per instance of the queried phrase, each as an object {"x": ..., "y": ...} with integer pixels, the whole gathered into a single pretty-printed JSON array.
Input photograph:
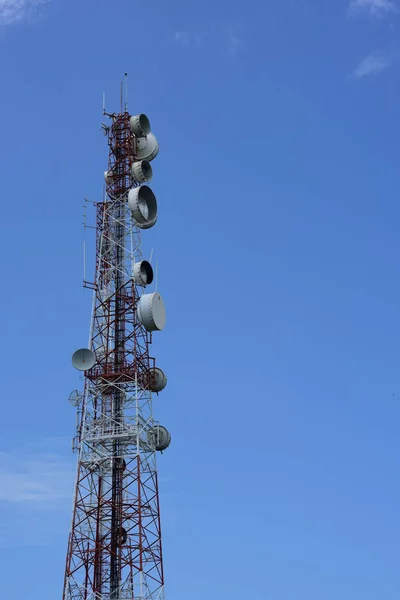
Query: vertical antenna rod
[{"x": 126, "y": 92}]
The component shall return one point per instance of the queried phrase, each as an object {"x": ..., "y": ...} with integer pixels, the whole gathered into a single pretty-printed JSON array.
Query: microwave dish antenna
[
  {"x": 151, "y": 312},
  {"x": 143, "y": 273},
  {"x": 147, "y": 148},
  {"x": 143, "y": 204},
  {"x": 83, "y": 359},
  {"x": 75, "y": 398},
  {"x": 140, "y": 125},
  {"x": 141, "y": 171}
]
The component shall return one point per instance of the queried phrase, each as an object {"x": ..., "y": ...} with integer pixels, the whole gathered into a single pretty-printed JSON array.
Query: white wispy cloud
[
  {"x": 234, "y": 41},
  {"x": 36, "y": 490},
  {"x": 12, "y": 11},
  {"x": 372, "y": 8},
  {"x": 37, "y": 478},
  {"x": 184, "y": 39},
  {"x": 373, "y": 64},
  {"x": 181, "y": 37},
  {"x": 224, "y": 35}
]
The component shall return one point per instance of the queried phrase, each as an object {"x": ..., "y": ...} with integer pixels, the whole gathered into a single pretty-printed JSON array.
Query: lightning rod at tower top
[{"x": 114, "y": 545}]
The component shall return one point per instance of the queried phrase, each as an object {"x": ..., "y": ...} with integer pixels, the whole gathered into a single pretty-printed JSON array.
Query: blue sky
[{"x": 278, "y": 245}]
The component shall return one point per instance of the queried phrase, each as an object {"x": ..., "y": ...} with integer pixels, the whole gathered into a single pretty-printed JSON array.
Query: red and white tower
[{"x": 114, "y": 547}]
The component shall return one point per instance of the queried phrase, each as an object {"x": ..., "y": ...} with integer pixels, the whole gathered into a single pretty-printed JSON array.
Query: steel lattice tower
[{"x": 114, "y": 547}]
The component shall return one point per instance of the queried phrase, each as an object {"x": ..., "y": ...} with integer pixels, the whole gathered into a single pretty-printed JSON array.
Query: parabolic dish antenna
[
  {"x": 75, "y": 398},
  {"x": 141, "y": 171},
  {"x": 159, "y": 437},
  {"x": 147, "y": 147},
  {"x": 143, "y": 273},
  {"x": 108, "y": 177},
  {"x": 83, "y": 359},
  {"x": 158, "y": 380},
  {"x": 151, "y": 312},
  {"x": 140, "y": 125},
  {"x": 154, "y": 379},
  {"x": 142, "y": 203}
]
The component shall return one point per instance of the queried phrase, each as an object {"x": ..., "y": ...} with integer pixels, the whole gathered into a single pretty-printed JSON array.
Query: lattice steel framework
[{"x": 114, "y": 548}]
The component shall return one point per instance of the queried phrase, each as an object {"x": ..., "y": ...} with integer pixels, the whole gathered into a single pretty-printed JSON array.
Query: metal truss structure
[{"x": 114, "y": 547}]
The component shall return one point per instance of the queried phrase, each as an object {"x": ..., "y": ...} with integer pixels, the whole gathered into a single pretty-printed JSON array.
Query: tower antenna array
[{"x": 114, "y": 546}]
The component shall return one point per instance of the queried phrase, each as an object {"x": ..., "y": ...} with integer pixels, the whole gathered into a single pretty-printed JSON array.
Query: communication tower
[{"x": 114, "y": 546}]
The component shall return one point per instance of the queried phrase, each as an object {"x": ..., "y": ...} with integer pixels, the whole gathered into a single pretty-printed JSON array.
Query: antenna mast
[{"x": 114, "y": 547}]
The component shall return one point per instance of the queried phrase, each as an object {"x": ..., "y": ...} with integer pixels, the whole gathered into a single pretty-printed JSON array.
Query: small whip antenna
[
  {"x": 126, "y": 92},
  {"x": 84, "y": 238}
]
